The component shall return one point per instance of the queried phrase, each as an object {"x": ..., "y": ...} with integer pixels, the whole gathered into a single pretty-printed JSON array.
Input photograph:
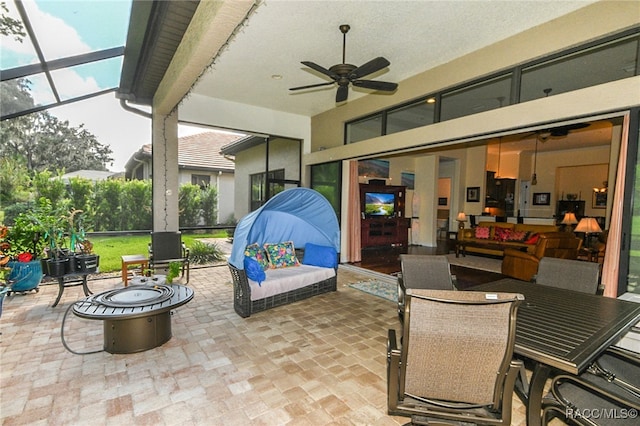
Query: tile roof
[{"x": 202, "y": 150}]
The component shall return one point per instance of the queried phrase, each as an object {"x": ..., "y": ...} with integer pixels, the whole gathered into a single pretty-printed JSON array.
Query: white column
[{"x": 165, "y": 172}]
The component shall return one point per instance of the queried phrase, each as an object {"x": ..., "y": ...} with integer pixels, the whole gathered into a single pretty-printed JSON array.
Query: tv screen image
[{"x": 379, "y": 204}]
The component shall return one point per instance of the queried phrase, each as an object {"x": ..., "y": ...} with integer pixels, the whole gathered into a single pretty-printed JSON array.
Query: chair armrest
[{"x": 520, "y": 254}]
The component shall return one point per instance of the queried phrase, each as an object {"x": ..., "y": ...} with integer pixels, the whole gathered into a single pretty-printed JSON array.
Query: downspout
[
  {"x": 123, "y": 104},
  {"x": 218, "y": 196}
]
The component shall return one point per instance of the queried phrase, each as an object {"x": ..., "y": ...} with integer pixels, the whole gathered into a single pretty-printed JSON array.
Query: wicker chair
[
  {"x": 426, "y": 272},
  {"x": 600, "y": 396},
  {"x": 569, "y": 274},
  {"x": 167, "y": 247},
  {"x": 456, "y": 361}
]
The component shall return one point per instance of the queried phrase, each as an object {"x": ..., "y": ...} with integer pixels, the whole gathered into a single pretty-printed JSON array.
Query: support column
[
  {"x": 426, "y": 186},
  {"x": 165, "y": 172}
]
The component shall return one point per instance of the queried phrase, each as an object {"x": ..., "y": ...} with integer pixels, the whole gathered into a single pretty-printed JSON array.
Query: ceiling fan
[{"x": 345, "y": 74}]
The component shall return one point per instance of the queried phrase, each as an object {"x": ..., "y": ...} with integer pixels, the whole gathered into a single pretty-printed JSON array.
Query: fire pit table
[{"x": 136, "y": 318}]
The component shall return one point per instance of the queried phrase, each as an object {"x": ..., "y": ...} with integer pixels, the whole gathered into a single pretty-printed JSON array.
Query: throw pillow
[
  {"x": 323, "y": 256},
  {"x": 532, "y": 239},
  {"x": 518, "y": 236},
  {"x": 258, "y": 253},
  {"x": 282, "y": 254},
  {"x": 253, "y": 270},
  {"x": 482, "y": 232},
  {"x": 502, "y": 234}
]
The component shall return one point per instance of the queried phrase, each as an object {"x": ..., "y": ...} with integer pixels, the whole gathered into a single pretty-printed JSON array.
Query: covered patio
[{"x": 315, "y": 362}]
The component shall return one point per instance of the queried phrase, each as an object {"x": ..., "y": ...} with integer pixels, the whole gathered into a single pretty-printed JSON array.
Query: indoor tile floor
[{"x": 316, "y": 362}]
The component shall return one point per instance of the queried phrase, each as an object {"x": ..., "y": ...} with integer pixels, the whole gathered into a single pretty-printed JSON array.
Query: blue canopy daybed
[{"x": 301, "y": 215}]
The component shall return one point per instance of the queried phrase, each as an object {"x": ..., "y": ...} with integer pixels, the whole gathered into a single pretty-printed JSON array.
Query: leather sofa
[
  {"x": 524, "y": 265},
  {"x": 498, "y": 236}
]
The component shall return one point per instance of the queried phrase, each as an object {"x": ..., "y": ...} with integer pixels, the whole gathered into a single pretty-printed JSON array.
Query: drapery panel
[
  {"x": 354, "y": 246},
  {"x": 610, "y": 269}
]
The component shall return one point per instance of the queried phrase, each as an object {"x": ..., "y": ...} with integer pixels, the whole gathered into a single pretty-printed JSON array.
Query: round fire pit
[{"x": 136, "y": 318}]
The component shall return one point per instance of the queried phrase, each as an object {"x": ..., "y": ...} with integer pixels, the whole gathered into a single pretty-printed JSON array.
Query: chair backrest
[
  {"x": 432, "y": 272},
  {"x": 166, "y": 245},
  {"x": 569, "y": 274},
  {"x": 457, "y": 345},
  {"x": 563, "y": 245}
]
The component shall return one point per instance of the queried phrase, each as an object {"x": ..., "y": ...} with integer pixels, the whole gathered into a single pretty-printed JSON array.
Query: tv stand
[{"x": 385, "y": 231}]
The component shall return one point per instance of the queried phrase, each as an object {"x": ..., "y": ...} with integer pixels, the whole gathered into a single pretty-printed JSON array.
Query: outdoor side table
[
  {"x": 133, "y": 259},
  {"x": 135, "y": 318}
]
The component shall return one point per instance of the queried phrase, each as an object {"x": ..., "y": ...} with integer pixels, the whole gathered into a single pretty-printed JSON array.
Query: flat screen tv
[{"x": 379, "y": 204}]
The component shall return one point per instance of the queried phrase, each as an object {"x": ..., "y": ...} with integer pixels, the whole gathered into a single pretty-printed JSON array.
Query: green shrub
[{"x": 201, "y": 253}]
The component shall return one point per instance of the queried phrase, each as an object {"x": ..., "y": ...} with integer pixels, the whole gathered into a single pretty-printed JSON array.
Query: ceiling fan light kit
[{"x": 344, "y": 74}]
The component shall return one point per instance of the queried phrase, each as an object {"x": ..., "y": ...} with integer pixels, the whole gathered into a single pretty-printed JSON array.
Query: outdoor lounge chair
[
  {"x": 167, "y": 247},
  {"x": 426, "y": 272},
  {"x": 601, "y": 395},
  {"x": 456, "y": 360}
]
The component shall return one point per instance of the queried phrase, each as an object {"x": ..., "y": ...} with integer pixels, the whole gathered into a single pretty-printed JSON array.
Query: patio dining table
[{"x": 561, "y": 331}]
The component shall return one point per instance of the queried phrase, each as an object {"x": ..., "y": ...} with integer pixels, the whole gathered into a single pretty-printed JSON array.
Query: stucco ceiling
[{"x": 413, "y": 35}]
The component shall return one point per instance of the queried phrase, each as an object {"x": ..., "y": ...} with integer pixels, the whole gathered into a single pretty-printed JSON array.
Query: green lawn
[{"x": 111, "y": 248}]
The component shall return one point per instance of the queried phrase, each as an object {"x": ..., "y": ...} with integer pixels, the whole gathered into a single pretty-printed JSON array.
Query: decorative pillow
[
  {"x": 281, "y": 255},
  {"x": 502, "y": 234},
  {"x": 253, "y": 270},
  {"x": 323, "y": 256},
  {"x": 482, "y": 232},
  {"x": 532, "y": 239},
  {"x": 258, "y": 253},
  {"x": 517, "y": 236}
]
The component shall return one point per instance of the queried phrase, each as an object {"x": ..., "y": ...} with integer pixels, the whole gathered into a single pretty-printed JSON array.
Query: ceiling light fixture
[
  {"x": 276, "y": 76},
  {"x": 431, "y": 100}
]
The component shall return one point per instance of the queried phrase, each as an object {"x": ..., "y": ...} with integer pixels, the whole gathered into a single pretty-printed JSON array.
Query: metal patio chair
[
  {"x": 456, "y": 360},
  {"x": 569, "y": 274},
  {"x": 167, "y": 247}
]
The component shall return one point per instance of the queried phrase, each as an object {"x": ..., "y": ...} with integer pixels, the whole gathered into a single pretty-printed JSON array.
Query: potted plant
[
  {"x": 174, "y": 271},
  {"x": 82, "y": 248},
  {"x": 21, "y": 270},
  {"x": 50, "y": 223}
]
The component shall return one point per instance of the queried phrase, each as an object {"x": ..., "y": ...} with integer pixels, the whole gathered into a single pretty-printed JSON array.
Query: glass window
[
  {"x": 609, "y": 62},
  {"x": 417, "y": 114},
  {"x": 258, "y": 187},
  {"x": 202, "y": 180},
  {"x": 480, "y": 97},
  {"x": 326, "y": 179},
  {"x": 366, "y": 128}
]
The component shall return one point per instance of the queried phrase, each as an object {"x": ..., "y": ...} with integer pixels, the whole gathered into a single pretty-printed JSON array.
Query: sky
[{"x": 68, "y": 28}]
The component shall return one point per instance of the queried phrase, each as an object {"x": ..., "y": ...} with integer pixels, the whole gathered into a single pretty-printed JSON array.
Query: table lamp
[
  {"x": 568, "y": 220},
  {"x": 462, "y": 218},
  {"x": 588, "y": 225}
]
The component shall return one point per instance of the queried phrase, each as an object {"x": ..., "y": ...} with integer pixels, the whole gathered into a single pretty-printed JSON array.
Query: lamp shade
[
  {"x": 588, "y": 225},
  {"x": 569, "y": 219},
  {"x": 461, "y": 217}
]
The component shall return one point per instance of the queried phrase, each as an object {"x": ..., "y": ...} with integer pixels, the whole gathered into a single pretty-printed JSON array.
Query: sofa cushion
[
  {"x": 533, "y": 238},
  {"x": 281, "y": 280},
  {"x": 317, "y": 255},
  {"x": 281, "y": 254},
  {"x": 501, "y": 234}
]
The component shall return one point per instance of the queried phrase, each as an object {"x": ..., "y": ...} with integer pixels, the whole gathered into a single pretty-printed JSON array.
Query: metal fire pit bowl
[{"x": 136, "y": 318}]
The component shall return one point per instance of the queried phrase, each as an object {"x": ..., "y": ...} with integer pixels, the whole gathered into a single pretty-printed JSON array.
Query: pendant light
[
  {"x": 497, "y": 176},
  {"x": 534, "y": 177}
]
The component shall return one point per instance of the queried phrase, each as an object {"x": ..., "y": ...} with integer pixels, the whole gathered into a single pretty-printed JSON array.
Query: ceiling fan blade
[
  {"x": 376, "y": 85},
  {"x": 321, "y": 69},
  {"x": 313, "y": 85},
  {"x": 341, "y": 95},
  {"x": 370, "y": 67}
]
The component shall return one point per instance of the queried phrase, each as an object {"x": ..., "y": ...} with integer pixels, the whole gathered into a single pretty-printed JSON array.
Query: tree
[{"x": 43, "y": 141}]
